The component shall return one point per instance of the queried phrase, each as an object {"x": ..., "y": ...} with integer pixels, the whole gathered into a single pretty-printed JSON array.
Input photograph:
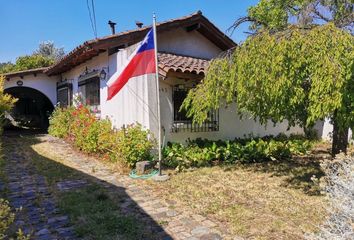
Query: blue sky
[{"x": 26, "y": 23}]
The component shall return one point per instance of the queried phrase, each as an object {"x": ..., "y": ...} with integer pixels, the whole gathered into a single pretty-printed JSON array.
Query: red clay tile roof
[
  {"x": 180, "y": 63},
  {"x": 92, "y": 48}
]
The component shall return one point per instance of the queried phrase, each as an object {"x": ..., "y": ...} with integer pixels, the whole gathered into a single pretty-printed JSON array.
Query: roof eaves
[{"x": 25, "y": 72}]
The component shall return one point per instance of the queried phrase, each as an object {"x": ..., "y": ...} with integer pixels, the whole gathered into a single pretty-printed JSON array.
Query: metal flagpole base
[{"x": 160, "y": 178}]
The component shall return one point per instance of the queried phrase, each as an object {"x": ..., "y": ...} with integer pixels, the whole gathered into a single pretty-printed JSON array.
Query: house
[{"x": 185, "y": 47}]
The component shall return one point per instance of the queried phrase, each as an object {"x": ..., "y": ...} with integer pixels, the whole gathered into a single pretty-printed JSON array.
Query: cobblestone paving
[
  {"x": 177, "y": 224},
  {"x": 29, "y": 193}
]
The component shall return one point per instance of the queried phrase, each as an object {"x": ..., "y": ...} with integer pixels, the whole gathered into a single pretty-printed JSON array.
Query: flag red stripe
[{"x": 142, "y": 63}]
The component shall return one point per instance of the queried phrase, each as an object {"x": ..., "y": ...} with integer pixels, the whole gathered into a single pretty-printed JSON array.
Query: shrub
[
  {"x": 202, "y": 152},
  {"x": 338, "y": 185},
  {"x": 133, "y": 144},
  {"x": 91, "y": 135},
  {"x": 59, "y": 122},
  {"x": 6, "y": 102},
  {"x": 6, "y": 218}
]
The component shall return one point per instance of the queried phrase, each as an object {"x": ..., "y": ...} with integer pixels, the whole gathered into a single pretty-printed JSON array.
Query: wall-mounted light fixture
[
  {"x": 103, "y": 74},
  {"x": 181, "y": 86}
]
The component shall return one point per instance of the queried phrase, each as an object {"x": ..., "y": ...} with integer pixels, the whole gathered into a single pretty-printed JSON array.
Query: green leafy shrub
[
  {"x": 59, "y": 122},
  {"x": 202, "y": 152},
  {"x": 91, "y": 135},
  {"x": 133, "y": 144},
  {"x": 6, "y": 102},
  {"x": 6, "y": 218}
]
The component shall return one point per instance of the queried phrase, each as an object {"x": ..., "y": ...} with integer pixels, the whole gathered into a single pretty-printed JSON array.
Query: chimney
[
  {"x": 112, "y": 25},
  {"x": 139, "y": 24}
]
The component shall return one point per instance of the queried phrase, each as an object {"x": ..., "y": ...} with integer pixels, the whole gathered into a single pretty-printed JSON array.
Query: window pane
[
  {"x": 90, "y": 91},
  {"x": 178, "y": 97},
  {"x": 62, "y": 96}
]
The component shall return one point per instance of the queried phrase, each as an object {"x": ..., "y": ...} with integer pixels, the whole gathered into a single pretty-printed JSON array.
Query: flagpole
[{"x": 157, "y": 93}]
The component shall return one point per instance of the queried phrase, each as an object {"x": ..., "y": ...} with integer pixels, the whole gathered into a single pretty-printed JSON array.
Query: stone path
[
  {"x": 37, "y": 212},
  {"x": 178, "y": 224},
  {"x": 139, "y": 201}
]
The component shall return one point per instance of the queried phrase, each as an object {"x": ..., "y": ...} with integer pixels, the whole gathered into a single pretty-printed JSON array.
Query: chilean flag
[{"x": 142, "y": 62}]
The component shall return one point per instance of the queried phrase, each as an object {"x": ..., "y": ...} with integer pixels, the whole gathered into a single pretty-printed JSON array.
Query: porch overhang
[{"x": 170, "y": 62}]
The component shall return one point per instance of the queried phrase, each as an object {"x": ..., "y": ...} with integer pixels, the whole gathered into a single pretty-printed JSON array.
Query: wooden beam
[{"x": 193, "y": 27}]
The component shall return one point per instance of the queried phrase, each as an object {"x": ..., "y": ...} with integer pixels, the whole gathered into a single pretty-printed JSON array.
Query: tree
[
  {"x": 299, "y": 72},
  {"x": 46, "y": 55},
  {"x": 48, "y": 49}
]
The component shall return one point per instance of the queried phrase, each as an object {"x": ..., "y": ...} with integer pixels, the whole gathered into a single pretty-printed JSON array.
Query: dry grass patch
[{"x": 258, "y": 201}]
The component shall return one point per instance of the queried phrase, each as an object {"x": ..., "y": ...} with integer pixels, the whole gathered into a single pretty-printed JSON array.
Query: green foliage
[
  {"x": 298, "y": 75},
  {"x": 44, "y": 56},
  {"x": 127, "y": 145},
  {"x": 6, "y": 217},
  {"x": 6, "y": 102},
  {"x": 133, "y": 145},
  {"x": 276, "y": 15},
  {"x": 27, "y": 62},
  {"x": 200, "y": 152},
  {"x": 32, "y": 61},
  {"x": 271, "y": 13},
  {"x": 59, "y": 122}
]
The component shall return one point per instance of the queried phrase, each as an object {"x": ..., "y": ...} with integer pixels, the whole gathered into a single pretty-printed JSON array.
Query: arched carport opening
[{"x": 32, "y": 110}]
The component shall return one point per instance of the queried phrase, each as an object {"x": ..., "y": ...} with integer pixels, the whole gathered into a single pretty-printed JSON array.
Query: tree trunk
[{"x": 340, "y": 138}]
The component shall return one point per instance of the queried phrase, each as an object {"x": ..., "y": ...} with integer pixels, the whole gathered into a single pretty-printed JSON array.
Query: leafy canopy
[
  {"x": 278, "y": 14},
  {"x": 46, "y": 55},
  {"x": 296, "y": 74}
]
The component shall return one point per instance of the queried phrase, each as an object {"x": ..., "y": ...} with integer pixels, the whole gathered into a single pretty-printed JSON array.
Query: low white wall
[{"x": 40, "y": 82}]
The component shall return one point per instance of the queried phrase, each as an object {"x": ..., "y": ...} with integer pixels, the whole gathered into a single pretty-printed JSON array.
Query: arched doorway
[{"x": 32, "y": 109}]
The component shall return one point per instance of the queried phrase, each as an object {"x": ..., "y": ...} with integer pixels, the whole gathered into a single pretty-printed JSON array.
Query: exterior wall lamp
[{"x": 103, "y": 74}]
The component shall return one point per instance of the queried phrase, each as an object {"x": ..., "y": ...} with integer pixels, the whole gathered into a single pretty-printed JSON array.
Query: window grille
[
  {"x": 90, "y": 91},
  {"x": 182, "y": 123},
  {"x": 64, "y": 93}
]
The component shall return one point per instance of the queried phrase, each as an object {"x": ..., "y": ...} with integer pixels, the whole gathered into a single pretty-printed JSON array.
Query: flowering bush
[
  {"x": 91, "y": 135},
  {"x": 338, "y": 185}
]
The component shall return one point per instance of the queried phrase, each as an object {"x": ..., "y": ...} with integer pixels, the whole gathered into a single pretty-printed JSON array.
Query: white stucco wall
[
  {"x": 230, "y": 124},
  {"x": 97, "y": 63},
  {"x": 187, "y": 43},
  {"x": 325, "y": 129},
  {"x": 40, "y": 82},
  {"x": 131, "y": 104}
]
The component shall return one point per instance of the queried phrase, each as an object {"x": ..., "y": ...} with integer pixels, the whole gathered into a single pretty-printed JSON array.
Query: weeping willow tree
[{"x": 301, "y": 73}]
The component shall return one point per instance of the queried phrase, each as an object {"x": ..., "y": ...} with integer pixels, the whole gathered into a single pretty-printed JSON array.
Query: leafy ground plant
[{"x": 202, "y": 152}]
